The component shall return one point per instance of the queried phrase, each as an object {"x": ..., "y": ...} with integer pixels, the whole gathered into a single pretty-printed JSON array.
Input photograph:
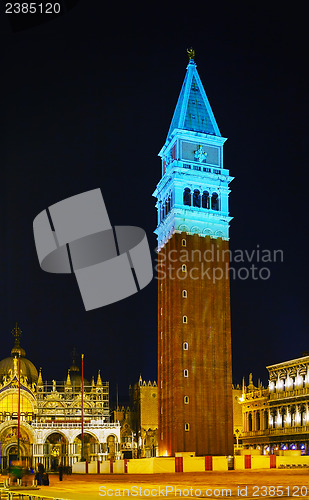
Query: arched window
[
  {"x": 186, "y": 400},
  {"x": 265, "y": 419},
  {"x": 184, "y": 319},
  {"x": 205, "y": 199},
  {"x": 185, "y": 346},
  {"x": 215, "y": 201},
  {"x": 184, "y": 294},
  {"x": 184, "y": 268},
  {"x": 186, "y": 373},
  {"x": 293, "y": 412},
  {"x": 282, "y": 413},
  {"x": 273, "y": 413},
  {"x": 187, "y": 427},
  {"x": 187, "y": 197},
  {"x": 250, "y": 422},
  {"x": 302, "y": 411},
  {"x": 196, "y": 198},
  {"x": 258, "y": 421},
  {"x": 183, "y": 242}
]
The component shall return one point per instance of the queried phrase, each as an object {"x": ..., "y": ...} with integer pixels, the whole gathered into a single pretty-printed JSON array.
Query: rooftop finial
[
  {"x": 16, "y": 332},
  {"x": 191, "y": 53}
]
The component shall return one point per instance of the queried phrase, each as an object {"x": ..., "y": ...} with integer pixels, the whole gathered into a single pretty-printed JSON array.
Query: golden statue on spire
[{"x": 191, "y": 53}]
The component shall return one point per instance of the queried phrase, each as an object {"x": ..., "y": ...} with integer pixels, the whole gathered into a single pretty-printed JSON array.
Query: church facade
[
  {"x": 194, "y": 332},
  {"x": 53, "y": 422}
]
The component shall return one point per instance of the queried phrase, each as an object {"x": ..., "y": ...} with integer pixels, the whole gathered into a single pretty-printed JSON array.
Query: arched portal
[
  {"x": 111, "y": 445},
  {"x": 87, "y": 448},
  {"x": 13, "y": 449},
  {"x": 55, "y": 450},
  {"x": 12, "y": 454}
]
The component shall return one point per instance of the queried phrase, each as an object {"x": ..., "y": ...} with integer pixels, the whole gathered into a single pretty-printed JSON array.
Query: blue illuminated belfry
[{"x": 192, "y": 195}]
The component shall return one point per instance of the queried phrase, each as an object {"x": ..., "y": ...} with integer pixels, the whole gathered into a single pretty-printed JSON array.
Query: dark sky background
[{"x": 87, "y": 100}]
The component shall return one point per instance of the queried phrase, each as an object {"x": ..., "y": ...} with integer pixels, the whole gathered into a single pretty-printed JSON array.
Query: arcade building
[
  {"x": 53, "y": 422},
  {"x": 276, "y": 418}
]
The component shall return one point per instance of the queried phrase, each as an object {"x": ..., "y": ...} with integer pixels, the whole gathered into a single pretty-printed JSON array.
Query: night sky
[{"x": 87, "y": 100}]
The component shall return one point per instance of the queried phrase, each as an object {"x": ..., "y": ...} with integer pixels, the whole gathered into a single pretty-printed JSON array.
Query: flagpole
[
  {"x": 18, "y": 414},
  {"x": 82, "y": 407}
]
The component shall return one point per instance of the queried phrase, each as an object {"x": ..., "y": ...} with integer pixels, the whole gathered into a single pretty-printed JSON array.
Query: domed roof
[
  {"x": 75, "y": 376},
  {"x": 27, "y": 368},
  {"x": 10, "y": 365}
]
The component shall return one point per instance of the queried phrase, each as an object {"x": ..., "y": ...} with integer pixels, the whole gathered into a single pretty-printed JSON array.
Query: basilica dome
[
  {"x": 9, "y": 365},
  {"x": 76, "y": 378}
]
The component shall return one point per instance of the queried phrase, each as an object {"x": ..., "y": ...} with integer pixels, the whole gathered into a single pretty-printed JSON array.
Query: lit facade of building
[
  {"x": 48, "y": 415},
  {"x": 144, "y": 396},
  {"x": 194, "y": 333},
  {"x": 139, "y": 421},
  {"x": 277, "y": 418}
]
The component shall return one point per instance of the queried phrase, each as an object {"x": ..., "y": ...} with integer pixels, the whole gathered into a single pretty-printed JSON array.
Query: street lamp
[{"x": 238, "y": 433}]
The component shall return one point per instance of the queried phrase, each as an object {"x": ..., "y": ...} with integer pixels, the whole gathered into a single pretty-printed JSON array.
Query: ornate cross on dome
[{"x": 16, "y": 332}]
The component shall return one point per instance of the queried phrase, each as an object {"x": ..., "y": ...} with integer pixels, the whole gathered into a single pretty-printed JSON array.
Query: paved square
[{"x": 237, "y": 484}]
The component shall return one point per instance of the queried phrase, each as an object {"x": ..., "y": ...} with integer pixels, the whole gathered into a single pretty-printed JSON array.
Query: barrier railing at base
[{"x": 13, "y": 495}]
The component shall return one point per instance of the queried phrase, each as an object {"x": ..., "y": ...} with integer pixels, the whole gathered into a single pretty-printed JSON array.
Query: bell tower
[{"x": 194, "y": 332}]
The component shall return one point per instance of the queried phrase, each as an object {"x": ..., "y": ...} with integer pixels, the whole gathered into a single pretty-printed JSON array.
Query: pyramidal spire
[
  {"x": 40, "y": 379},
  {"x": 99, "y": 380},
  {"x": 193, "y": 111},
  {"x": 68, "y": 380}
]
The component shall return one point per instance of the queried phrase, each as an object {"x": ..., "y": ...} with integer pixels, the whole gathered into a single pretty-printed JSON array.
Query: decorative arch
[
  {"x": 112, "y": 434},
  {"x": 196, "y": 198},
  {"x": 214, "y": 201},
  {"x": 78, "y": 433},
  {"x": 23, "y": 425},
  {"x": 9, "y": 442},
  {"x": 55, "y": 431},
  {"x": 112, "y": 445},
  {"x": 205, "y": 199},
  {"x": 9, "y": 402},
  {"x": 187, "y": 196},
  {"x": 183, "y": 228}
]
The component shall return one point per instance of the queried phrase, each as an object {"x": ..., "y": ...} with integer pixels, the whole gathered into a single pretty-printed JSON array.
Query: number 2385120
[
  {"x": 278, "y": 491},
  {"x": 32, "y": 8}
]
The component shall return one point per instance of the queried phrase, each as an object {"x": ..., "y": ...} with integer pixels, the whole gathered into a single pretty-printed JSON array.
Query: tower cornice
[{"x": 194, "y": 136}]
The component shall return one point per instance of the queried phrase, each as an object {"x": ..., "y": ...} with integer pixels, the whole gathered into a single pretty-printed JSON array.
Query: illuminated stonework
[
  {"x": 50, "y": 416},
  {"x": 192, "y": 195},
  {"x": 277, "y": 418}
]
